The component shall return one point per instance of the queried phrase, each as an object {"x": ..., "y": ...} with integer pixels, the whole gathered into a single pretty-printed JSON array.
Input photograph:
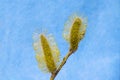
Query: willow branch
[{"x": 61, "y": 65}]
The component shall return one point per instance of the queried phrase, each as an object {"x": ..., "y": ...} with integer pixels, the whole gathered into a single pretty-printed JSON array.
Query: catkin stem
[{"x": 61, "y": 65}]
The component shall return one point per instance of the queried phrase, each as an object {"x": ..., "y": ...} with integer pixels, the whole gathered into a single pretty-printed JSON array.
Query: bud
[
  {"x": 74, "y": 32},
  {"x": 47, "y": 53}
]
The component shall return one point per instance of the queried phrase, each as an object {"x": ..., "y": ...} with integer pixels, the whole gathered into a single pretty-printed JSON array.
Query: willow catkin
[
  {"x": 47, "y": 53},
  {"x": 74, "y": 32}
]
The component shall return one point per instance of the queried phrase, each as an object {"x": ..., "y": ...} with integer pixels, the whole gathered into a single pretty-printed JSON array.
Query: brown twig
[{"x": 61, "y": 65}]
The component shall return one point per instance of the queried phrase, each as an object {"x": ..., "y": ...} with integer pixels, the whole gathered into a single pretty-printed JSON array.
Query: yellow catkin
[
  {"x": 48, "y": 54},
  {"x": 74, "y": 34}
]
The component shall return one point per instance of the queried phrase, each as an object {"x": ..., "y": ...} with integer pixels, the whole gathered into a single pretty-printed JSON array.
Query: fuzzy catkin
[
  {"x": 48, "y": 54},
  {"x": 74, "y": 34}
]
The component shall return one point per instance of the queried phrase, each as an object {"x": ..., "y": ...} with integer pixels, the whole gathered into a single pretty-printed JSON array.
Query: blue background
[{"x": 98, "y": 56}]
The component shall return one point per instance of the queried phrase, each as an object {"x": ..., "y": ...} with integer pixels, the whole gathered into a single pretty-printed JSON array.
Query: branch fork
[{"x": 54, "y": 74}]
